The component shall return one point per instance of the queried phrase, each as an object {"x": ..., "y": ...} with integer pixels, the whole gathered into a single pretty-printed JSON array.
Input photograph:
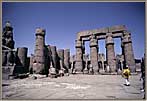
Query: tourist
[{"x": 126, "y": 74}]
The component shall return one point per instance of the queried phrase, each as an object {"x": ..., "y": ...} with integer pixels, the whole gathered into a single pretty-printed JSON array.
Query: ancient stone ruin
[
  {"x": 50, "y": 61},
  {"x": 7, "y": 45},
  {"x": 47, "y": 60},
  {"x": 14, "y": 61},
  {"x": 108, "y": 34}
]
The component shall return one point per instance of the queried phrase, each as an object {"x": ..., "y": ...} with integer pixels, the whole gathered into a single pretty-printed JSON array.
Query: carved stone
[
  {"x": 128, "y": 51},
  {"x": 31, "y": 64},
  {"x": 61, "y": 58},
  {"x": 94, "y": 53},
  {"x": 7, "y": 41},
  {"x": 67, "y": 59},
  {"x": 54, "y": 56},
  {"x": 110, "y": 54},
  {"x": 79, "y": 57},
  {"x": 39, "y": 58}
]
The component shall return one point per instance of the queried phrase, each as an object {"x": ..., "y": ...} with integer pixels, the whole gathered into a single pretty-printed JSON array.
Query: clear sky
[{"x": 63, "y": 20}]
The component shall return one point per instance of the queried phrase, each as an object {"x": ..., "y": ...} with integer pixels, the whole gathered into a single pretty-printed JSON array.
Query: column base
[
  {"x": 38, "y": 68},
  {"x": 95, "y": 68},
  {"x": 112, "y": 69},
  {"x": 78, "y": 67},
  {"x": 132, "y": 69}
]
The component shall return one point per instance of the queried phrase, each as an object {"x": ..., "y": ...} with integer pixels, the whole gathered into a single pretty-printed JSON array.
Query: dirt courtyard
[{"x": 78, "y": 86}]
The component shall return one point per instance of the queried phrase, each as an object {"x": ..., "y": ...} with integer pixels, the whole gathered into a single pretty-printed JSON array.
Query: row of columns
[
  {"x": 48, "y": 58},
  {"x": 127, "y": 51}
]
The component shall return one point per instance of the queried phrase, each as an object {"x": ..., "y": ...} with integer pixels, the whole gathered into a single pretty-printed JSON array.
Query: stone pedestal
[
  {"x": 110, "y": 54},
  {"x": 79, "y": 57},
  {"x": 94, "y": 54},
  {"x": 39, "y": 58},
  {"x": 128, "y": 51}
]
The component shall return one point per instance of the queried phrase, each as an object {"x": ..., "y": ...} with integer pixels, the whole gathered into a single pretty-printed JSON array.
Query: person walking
[{"x": 126, "y": 73}]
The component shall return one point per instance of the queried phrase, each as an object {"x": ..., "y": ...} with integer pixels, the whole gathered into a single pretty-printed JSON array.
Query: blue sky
[{"x": 63, "y": 20}]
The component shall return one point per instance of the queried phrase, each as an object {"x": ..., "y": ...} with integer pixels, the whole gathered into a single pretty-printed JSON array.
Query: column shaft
[
  {"x": 67, "y": 58},
  {"x": 54, "y": 56},
  {"x": 94, "y": 53},
  {"x": 61, "y": 58},
  {"x": 79, "y": 57},
  {"x": 39, "y": 58},
  {"x": 128, "y": 51},
  {"x": 21, "y": 60},
  {"x": 110, "y": 54}
]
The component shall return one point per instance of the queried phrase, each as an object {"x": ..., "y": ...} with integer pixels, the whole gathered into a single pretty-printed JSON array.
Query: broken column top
[
  {"x": 127, "y": 37},
  {"x": 8, "y": 27},
  {"x": 40, "y": 31},
  {"x": 8, "y": 24}
]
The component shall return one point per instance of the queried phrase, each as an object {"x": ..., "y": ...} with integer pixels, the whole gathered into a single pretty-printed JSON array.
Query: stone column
[
  {"x": 54, "y": 56},
  {"x": 110, "y": 54},
  {"x": 128, "y": 51},
  {"x": 21, "y": 61},
  {"x": 72, "y": 61},
  {"x": 67, "y": 58},
  {"x": 39, "y": 58},
  {"x": 49, "y": 56},
  {"x": 79, "y": 57},
  {"x": 22, "y": 55},
  {"x": 94, "y": 53},
  {"x": 61, "y": 58},
  {"x": 31, "y": 64}
]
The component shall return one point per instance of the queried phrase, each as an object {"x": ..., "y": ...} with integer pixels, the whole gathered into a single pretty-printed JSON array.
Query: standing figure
[{"x": 126, "y": 73}]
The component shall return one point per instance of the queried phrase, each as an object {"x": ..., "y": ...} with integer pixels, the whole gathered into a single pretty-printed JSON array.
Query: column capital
[
  {"x": 78, "y": 44},
  {"x": 109, "y": 39},
  {"x": 93, "y": 41},
  {"x": 126, "y": 37},
  {"x": 8, "y": 26},
  {"x": 40, "y": 31}
]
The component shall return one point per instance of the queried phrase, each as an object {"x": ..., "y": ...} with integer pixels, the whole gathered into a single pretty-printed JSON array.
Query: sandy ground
[{"x": 73, "y": 87}]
